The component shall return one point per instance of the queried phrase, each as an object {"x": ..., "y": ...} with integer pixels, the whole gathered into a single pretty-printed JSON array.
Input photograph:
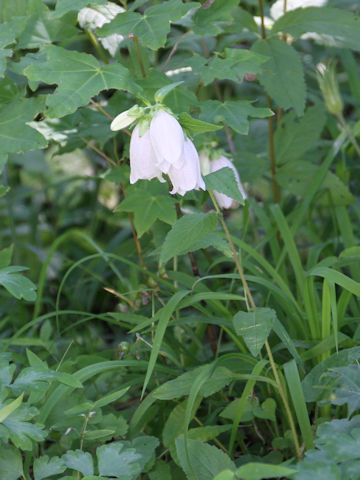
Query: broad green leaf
[
  {"x": 202, "y": 460},
  {"x": 347, "y": 387},
  {"x": 315, "y": 382},
  {"x": 99, "y": 434},
  {"x": 110, "y": 398},
  {"x": 10, "y": 407},
  {"x": 234, "y": 113},
  {"x": 283, "y": 75},
  {"x": 152, "y": 27},
  {"x": 233, "y": 66},
  {"x": 196, "y": 126},
  {"x": 254, "y": 327},
  {"x": 164, "y": 91},
  {"x": 294, "y": 136},
  {"x": 338, "y": 23},
  {"x": 208, "y": 432},
  {"x": 15, "y": 135},
  {"x": 79, "y": 76},
  {"x": 45, "y": 467},
  {"x": 339, "y": 278},
  {"x": 80, "y": 461},
  {"x": 259, "y": 471},
  {"x": 224, "y": 181},
  {"x": 20, "y": 8},
  {"x": 4, "y": 54},
  {"x": 148, "y": 204},
  {"x": 10, "y": 30},
  {"x": 208, "y": 20},
  {"x": 16, "y": 284},
  {"x": 20, "y": 430},
  {"x": 174, "y": 425},
  {"x": 8, "y": 91},
  {"x": 40, "y": 30},
  {"x": 186, "y": 234},
  {"x": 145, "y": 445},
  {"x": 65, "y": 6},
  {"x": 11, "y": 464},
  {"x": 116, "y": 460}
]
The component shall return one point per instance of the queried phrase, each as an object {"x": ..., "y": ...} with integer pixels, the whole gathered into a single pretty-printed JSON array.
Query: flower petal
[
  {"x": 167, "y": 138},
  {"x": 188, "y": 177},
  {"x": 223, "y": 200},
  {"x": 142, "y": 158}
]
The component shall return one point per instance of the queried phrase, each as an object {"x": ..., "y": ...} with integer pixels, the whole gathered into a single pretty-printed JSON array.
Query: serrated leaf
[
  {"x": 16, "y": 284},
  {"x": 20, "y": 430},
  {"x": 186, "y": 234},
  {"x": 80, "y": 461},
  {"x": 234, "y": 113},
  {"x": 283, "y": 75},
  {"x": 148, "y": 205},
  {"x": 224, "y": 181},
  {"x": 338, "y": 23},
  {"x": 254, "y": 327},
  {"x": 294, "y": 136},
  {"x": 152, "y": 27},
  {"x": 233, "y": 66},
  {"x": 209, "y": 20},
  {"x": 196, "y": 126},
  {"x": 116, "y": 460},
  {"x": 45, "y": 467},
  {"x": 65, "y": 6},
  {"x": 11, "y": 464},
  {"x": 15, "y": 135},
  {"x": 203, "y": 460},
  {"x": 79, "y": 76},
  {"x": 347, "y": 387}
]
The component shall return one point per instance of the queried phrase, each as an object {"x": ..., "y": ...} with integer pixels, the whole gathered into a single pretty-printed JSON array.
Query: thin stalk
[
  {"x": 99, "y": 152},
  {"x": 97, "y": 46},
  {"x": 275, "y": 185},
  {"x": 267, "y": 346},
  {"x": 138, "y": 54}
]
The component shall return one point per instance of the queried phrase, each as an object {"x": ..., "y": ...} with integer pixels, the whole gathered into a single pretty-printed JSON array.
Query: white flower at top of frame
[
  {"x": 167, "y": 139},
  {"x": 97, "y": 15},
  {"x": 188, "y": 177},
  {"x": 223, "y": 200},
  {"x": 142, "y": 157}
]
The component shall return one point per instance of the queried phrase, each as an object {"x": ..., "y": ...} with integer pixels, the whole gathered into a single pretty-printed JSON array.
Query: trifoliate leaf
[
  {"x": 148, "y": 204},
  {"x": 338, "y": 23},
  {"x": 187, "y": 234},
  {"x": 45, "y": 467},
  {"x": 234, "y": 113},
  {"x": 208, "y": 20},
  {"x": 254, "y": 327},
  {"x": 15, "y": 135},
  {"x": 79, "y": 76},
  {"x": 152, "y": 27},
  {"x": 283, "y": 75}
]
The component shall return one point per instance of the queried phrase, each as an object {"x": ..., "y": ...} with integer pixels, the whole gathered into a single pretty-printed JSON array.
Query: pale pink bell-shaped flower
[
  {"x": 188, "y": 177},
  {"x": 167, "y": 139},
  {"x": 142, "y": 157},
  {"x": 223, "y": 200}
]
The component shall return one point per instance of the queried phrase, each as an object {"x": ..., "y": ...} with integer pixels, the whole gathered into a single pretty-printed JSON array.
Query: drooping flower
[
  {"x": 223, "y": 200},
  {"x": 157, "y": 146},
  {"x": 167, "y": 139},
  {"x": 188, "y": 176},
  {"x": 142, "y": 157}
]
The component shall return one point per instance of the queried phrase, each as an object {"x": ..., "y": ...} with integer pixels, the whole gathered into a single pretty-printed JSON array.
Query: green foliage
[{"x": 145, "y": 320}]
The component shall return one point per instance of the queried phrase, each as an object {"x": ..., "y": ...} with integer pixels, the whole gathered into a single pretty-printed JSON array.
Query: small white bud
[{"x": 126, "y": 118}]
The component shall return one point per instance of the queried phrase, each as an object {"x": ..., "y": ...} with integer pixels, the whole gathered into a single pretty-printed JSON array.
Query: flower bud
[
  {"x": 329, "y": 88},
  {"x": 204, "y": 163},
  {"x": 126, "y": 118}
]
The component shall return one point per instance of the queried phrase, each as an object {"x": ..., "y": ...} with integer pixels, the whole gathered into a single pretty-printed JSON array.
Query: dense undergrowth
[{"x": 155, "y": 336}]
